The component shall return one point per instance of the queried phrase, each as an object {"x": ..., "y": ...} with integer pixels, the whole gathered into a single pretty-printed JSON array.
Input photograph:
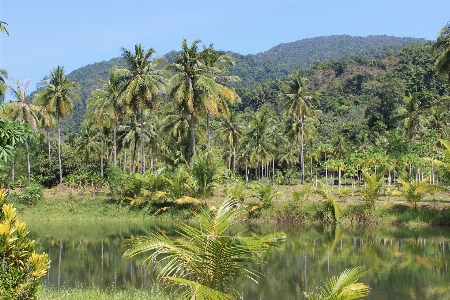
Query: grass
[
  {"x": 47, "y": 293},
  {"x": 65, "y": 204}
]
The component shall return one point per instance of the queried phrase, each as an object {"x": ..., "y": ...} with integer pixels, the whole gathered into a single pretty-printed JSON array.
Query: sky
[{"x": 48, "y": 33}]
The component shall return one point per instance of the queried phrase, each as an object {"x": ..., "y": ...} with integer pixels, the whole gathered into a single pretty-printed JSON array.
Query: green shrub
[
  {"x": 20, "y": 266},
  {"x": 30, "y": 194}
]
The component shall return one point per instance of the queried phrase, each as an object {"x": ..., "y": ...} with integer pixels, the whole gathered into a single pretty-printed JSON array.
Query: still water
[{"x": 401, "y": 263}]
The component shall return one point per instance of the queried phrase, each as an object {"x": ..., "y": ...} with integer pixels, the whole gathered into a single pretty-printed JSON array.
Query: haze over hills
[{"x": 275, "y": 63}]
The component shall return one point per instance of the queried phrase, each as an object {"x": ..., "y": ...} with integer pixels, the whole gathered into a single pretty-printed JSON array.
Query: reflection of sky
[{"x": 401, "y": 263}]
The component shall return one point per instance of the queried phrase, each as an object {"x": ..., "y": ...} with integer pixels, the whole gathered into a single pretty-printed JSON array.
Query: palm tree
[
  {"x": 299, "y": 102},
  {"x": 230, "y": 131},
  {"x": 57, "y": 97},
  {"x": 21, "y": 110},
  {"x": 207, "y": 261},
  {"x": 3, "y": 27},
  {"x": 141, "y": 83},
  {"x": 198, "y": 84},
  {"x": 259, "y": 140},
  {"x": 412, "y": 114},
  {"x": 108, "y": 104},
  {"x": 441, "y": 48},
  {"x": 217, "y": 63}
]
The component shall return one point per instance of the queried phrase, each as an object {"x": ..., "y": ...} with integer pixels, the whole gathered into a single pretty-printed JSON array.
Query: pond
[{"x": 401, "y": 263}]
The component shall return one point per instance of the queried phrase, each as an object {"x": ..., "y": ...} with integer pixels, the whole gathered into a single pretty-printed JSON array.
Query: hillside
[{"x": 277, "y": 62}]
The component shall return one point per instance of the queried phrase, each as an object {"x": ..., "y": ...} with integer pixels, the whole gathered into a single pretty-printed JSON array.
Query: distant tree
[
  {"x": 300, "y": 105},
  {"x": 441, "y": 48},
  {"x": 56, "y": 97}
]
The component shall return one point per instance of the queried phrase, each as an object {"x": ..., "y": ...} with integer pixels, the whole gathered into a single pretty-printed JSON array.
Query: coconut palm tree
[
  {"x": 56, "y": 97},
  {"x": 207, "y": 261},
  {"x": 230, "y": 132},
  {"x": 259, "y": 140},
  {"x": 441, "y": 48},
  {"x": 108, "y": 105},
  {"x": 299, "y": 105},
  {"x": 3, "y": 27},
  {"x": 199, "y": 83},
  {"x": 217, "y": 98},
  {"x": 27, "y": 112},
  {"x": 142, "y": 82}
]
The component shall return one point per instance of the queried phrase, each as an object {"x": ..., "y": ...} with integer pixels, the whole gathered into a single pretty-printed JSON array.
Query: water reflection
[{"x": 402, "y": 263}]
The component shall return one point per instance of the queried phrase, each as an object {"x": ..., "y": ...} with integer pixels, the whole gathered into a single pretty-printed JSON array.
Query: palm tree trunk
[
  {"x": 28, "y": 161},
  {"x": 59, "y": 150},
  {"x": 142, "y": 141},
  {"x": 192, "y": 121},
  {"x": 101, "y": 162},
  {"x": 115, "y": 141},
  {"x": 234, "y": 159},
  {"x": 208, "y": 125},
  {"x": 49, "y": 150},
  {"x": 302, "y": 157},
  {"x": 12, "y": 170},
  {"x": 192, "y": 133}
]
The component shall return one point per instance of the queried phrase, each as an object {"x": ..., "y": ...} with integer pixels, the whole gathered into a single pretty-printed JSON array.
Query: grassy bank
[
  {"x": 47, "y": 293},
  {"x": 66, "y": 204}
]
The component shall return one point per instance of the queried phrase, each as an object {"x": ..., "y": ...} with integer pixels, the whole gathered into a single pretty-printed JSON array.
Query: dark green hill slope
[{"x": 283, "y": 59}]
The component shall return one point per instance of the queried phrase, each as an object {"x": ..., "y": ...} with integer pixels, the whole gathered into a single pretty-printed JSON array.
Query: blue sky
[{"x": 45, "y": 34}]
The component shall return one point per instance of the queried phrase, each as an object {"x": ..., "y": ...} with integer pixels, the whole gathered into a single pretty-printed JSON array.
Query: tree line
[{"x": 334, "y": 120}]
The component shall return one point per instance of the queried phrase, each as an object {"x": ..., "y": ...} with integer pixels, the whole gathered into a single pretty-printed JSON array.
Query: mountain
[
  {"x": 275, "y": 63},
  {"x": 283, "y": 59}
]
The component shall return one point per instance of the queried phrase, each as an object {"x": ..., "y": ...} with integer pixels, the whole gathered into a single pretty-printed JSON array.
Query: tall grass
[{"x": 47, "y": 293}]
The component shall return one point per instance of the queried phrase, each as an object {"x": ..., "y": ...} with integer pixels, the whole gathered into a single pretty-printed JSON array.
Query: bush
[
  {"x": 20, "y": 266},
  {"x": 30, "y": 194}
]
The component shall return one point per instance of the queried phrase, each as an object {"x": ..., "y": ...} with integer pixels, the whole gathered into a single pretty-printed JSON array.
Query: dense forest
[{"x": 374, "y": 103}]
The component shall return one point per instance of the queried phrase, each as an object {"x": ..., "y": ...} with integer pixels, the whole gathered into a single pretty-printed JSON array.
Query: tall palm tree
[
  {"x": 441, "y": 48},
  {"x": 56, "y": 97},
  {"x": 218, "y": 96},
  {"x": 299, "y": 105},
  {"x": 259, "y": 139},
  {"x": 21, "y": 110},
  {"x": 141, "y": 82},
  {"x": 106, "y": 104},
  {"x": 230, "y": 132},
  {"x": 198, "y": 84}
]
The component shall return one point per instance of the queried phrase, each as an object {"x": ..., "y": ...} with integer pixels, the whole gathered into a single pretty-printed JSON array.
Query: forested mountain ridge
[
  {"x": 275, "y": 63},
  {"x": 285, "y": 58}
]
